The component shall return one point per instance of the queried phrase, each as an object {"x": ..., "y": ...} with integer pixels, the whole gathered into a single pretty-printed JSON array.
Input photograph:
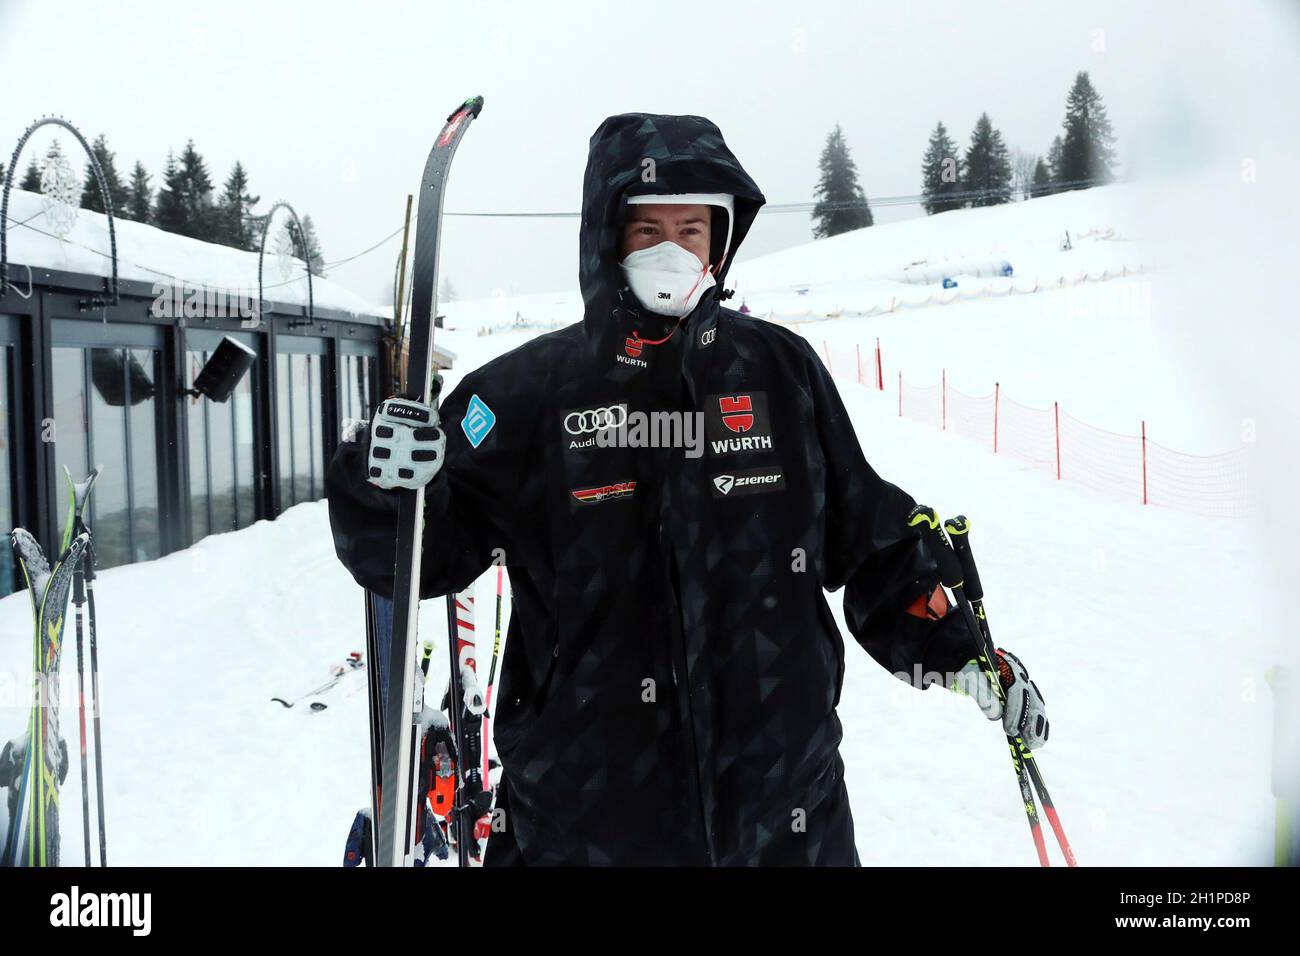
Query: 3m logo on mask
[
  {"x": 750, "y": 482},
  {"x": 738, "y": 423}
]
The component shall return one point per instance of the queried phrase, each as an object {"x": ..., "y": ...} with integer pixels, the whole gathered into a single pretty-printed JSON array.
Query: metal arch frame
[
  {"x": 103, "y": 192},
  {"x": 261, "y": 255}
]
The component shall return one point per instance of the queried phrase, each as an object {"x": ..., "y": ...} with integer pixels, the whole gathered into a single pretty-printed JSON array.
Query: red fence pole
[
  {"x": 1144, "y": 463},
  {"x": 1056, "y": 413},
  {"x": 997, "y": 392},
  {"x": 857, "y": 350},
  {"x": 880, "y": 369},
  {"x": 943, "y": 402}
]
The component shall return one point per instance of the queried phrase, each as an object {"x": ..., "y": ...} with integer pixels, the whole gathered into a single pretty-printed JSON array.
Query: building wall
[{"x": 84, "y": 384}]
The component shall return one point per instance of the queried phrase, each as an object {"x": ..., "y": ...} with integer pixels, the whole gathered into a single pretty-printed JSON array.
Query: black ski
[{"x": 396, "y": 795}]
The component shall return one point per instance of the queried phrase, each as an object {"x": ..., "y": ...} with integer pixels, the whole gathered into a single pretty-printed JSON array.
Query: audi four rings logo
[
  {"x": 708, "y": 336},
  {"x": 595, "y": 419}
]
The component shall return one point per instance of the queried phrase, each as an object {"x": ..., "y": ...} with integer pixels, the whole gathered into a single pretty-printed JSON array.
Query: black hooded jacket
[{"x": 671, "y": 672}]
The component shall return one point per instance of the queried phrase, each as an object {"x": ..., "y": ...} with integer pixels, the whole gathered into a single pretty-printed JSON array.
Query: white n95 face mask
[{"x": 666, "y": 278}]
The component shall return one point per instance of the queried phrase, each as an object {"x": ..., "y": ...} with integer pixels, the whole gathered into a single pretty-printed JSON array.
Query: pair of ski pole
[
  {"x": 958, "y": 573},
  {"x": 83, "y": 595}
]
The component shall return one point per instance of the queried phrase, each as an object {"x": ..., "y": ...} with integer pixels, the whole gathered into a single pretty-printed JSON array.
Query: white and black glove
[
  {"x": 407, "y": 446},
  {"x": 1024, "y": 715}
]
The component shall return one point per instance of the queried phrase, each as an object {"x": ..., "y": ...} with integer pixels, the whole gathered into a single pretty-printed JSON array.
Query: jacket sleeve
[
  {"x": 882, "y": 564},
  {"x": 467, "y": 507}
]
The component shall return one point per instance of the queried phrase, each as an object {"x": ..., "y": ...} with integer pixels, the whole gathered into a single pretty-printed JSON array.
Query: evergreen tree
[
  {"x": 169, "y": 207},
  {"x": 200, "y": 217},
  {"x": 448, "y": 293},
  {"x": 841, "y": 203},
  {"x": 139, "y": 196},
  {"x": 988, "y": 168},
  {"x": 941, "y": 172},
  {"x": 2, "y": 173},
  {"x": 1042, "y": 181},
  {"x": 1054, "y": 161},
  {"x": 1088, "y": 151},
  {"x": 90, "y": 197},
  {"x": 235, "y": 211},
  {"x": 32, "y": 178},
  {"x": 306, "y": 246}
]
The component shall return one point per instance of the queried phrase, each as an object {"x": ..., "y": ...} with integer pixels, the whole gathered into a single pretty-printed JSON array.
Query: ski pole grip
[
  {"x": 958, "y": 529},
  {"x": 927, "y": 521}
]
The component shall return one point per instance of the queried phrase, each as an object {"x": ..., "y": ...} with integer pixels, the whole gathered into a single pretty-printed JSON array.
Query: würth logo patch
[
  {"x": 591, "y": 496},
  {"x": 737, "y": 423},
  {"x": 749, "y": 482},
  {"x": 631, "y": 354}
]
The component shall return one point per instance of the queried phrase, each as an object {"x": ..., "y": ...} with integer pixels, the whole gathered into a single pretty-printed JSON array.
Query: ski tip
[{"x": 474, "y": 104}]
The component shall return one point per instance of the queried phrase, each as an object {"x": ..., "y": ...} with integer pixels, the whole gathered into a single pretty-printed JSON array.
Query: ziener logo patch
[{"x": 755, "y": 480}]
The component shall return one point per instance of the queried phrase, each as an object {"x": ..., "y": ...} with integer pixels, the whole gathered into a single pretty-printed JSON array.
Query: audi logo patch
[{"x": 588, "y": 421}]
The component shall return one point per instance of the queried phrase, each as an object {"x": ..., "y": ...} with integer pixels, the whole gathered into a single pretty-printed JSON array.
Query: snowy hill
[{"x": 1139, "y": 624}]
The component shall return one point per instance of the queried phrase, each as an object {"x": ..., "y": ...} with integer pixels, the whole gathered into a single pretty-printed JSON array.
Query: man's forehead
[{"x": 668, "y": 212}]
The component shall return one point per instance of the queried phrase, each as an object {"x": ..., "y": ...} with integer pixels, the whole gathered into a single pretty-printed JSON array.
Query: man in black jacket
[{"x": 673, "y": 487}]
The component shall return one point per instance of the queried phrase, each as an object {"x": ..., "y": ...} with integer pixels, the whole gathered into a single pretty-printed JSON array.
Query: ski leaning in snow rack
[
  {"x": 33, "y": 837},
  {"x": 958, "y": 573},
  {"x": 83, "y": 591},
  {"x": 395, "y": 790}
]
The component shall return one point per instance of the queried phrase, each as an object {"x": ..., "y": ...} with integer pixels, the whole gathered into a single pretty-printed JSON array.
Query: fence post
[
  {"x": 857, "y": 350},
  {"x": 997, "y": 397},
  {"x": 1056, "y": 414},
  {"x": 943, "y": 401},
  {"x": 1144, "y": 462},
  {"x": 880, "y": 369},
  {"x": 827, "y": 349}
]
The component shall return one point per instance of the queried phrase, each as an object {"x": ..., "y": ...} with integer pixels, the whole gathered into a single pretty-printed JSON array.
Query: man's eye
[{"x": 646, "y": 230}]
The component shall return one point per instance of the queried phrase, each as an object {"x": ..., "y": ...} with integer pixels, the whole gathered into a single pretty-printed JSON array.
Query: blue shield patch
[{"x": 478, "y": 421}]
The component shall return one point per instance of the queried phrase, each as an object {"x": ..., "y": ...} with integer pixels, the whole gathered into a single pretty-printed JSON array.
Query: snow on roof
[{"x": 148, "y": 254}]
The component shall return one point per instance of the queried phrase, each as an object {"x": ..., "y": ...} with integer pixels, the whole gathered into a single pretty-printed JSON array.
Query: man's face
[{"x": 649, "y": 225}]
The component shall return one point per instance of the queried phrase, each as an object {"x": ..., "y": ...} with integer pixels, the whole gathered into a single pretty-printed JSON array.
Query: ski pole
[
  {"x": 89, "y": 566},
  {"x": 958, "y": 529},
  {"x": 492, "y": 674},
  {"x": 950, "y": 575},
  {"x": 79, "y": 600}
]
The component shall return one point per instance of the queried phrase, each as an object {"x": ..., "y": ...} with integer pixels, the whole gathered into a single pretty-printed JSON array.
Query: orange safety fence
[{"x": 1129, "y": 466}]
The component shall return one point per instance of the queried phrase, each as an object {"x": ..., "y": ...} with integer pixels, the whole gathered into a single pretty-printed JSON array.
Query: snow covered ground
[{"x": 1143, "y": 627}]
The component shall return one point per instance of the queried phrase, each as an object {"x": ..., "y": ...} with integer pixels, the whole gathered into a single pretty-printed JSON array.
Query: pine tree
[
  {"x": 169, "y": 207},
  {"x": 448, "y": 293},
  {"x": 988, "y": 169},
  {"x": 1088, "y": 151},
  {"x": 200, "y": 218},
  {"x": 235, "y": 211},
  {"x": 841, "y": 203},
  {"x": 306, "y": 246},
  {"x": 90, "y": 196},
  {"x": 941, "y": 172},
  {"x": 32, "y": 178},
  {"x": 139, "y": 196},
  {"x": 1054, "y": 162},
  {"x": 1041, "y": 185},
  {"x": 2, "y": 173}
]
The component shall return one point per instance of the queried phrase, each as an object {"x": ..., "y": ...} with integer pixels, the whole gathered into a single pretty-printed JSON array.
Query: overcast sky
[{"x": 333, "y": 106}]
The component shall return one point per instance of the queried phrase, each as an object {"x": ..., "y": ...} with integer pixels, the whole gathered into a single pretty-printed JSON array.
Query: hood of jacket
[{"x": 642, "y": 153}]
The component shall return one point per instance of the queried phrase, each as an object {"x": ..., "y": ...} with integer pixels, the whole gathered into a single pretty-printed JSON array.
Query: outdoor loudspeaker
[{"x": 223, "y": 370}]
